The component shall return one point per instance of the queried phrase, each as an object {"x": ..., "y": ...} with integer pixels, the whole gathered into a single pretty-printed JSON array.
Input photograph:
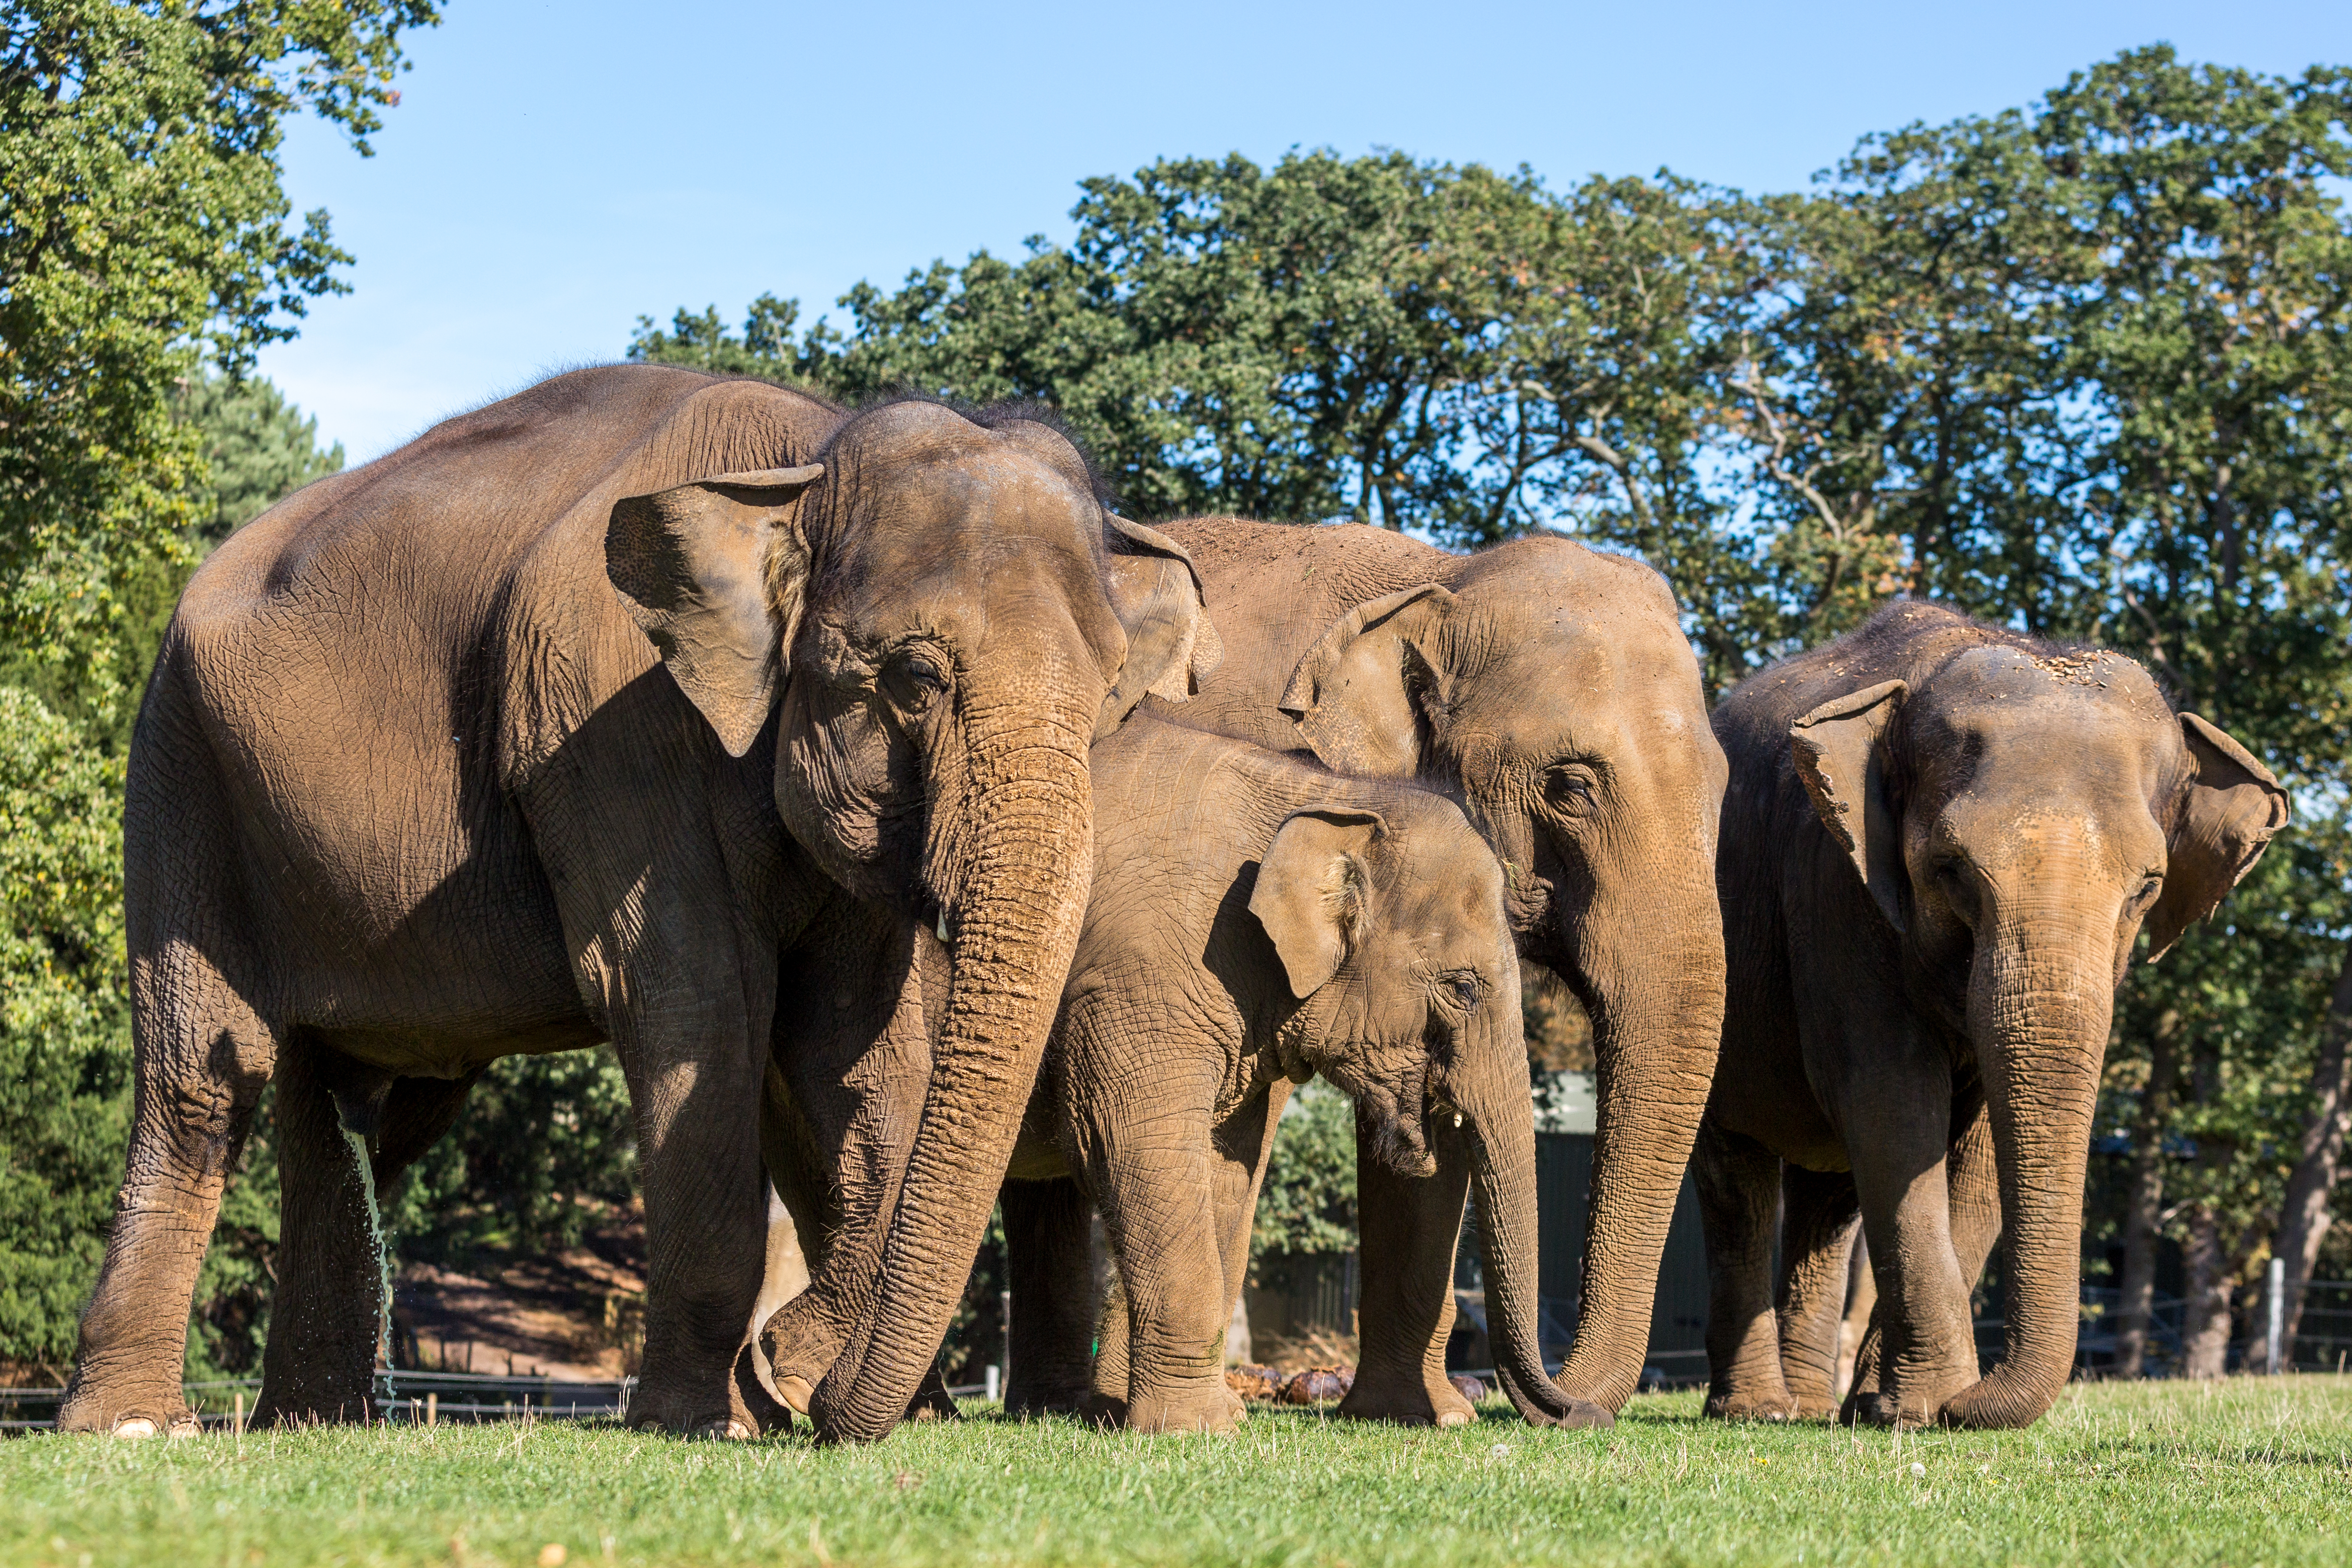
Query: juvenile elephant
[
  {"x": 1256, "y": 921},
  {"x": 1549, "y": 689},
  {"x": 1940, "y": 842},
  {"x": 411, "y": 790}
]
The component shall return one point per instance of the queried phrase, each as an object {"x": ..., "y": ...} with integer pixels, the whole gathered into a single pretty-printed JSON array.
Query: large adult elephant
[
  {"x": 1549, "y": 689},
  {"x": 1940, "y": 843},
  {"x": 412, "y": 790}
]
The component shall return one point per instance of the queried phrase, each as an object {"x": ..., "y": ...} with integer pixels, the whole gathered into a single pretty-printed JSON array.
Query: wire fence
[
  {"x": 2322, "y": 1342},
  {"x": 401, "y": 1398}
]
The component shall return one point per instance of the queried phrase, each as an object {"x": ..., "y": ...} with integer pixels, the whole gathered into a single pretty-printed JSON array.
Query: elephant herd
[{"x": 924, "y": 836}]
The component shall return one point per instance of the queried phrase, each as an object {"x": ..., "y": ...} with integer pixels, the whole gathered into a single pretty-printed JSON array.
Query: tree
[{"x": 143, "y": 229}]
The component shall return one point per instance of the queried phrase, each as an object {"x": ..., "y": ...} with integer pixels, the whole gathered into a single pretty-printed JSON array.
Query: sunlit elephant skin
[
  {"x": 412, "y": 790},
  {"x": 1940, "y": 845},
  {"x": 1549, "y": 690}
]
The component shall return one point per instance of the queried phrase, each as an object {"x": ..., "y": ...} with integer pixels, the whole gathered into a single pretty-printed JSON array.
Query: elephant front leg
[
  {"x": 1738, "y": 1183},
  {"x": 1926, "y": 1349},
  {"x": 1408, "y": 1229},
  {"x": 1155, "y": 1187},
  {"x": 1820, "y": 1217},
  {"x": 706, "y": 1229}
]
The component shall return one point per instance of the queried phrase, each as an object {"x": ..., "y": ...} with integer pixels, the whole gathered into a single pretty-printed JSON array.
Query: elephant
[
  {"x": 558, "y": 726},
  {"x": 1549, "y": 688},
  {"x": 1256, "y": 920},
  {"x": 1940, "y": 843}
]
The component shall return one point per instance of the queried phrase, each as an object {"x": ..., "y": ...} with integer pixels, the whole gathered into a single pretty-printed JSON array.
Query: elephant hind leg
[
  {"x": 1819, "y": 1218},
  {"x": 1738, "y": 1183},
  {"x": 202, "y": 1057},
  {"x": 327, "y": 1316}
]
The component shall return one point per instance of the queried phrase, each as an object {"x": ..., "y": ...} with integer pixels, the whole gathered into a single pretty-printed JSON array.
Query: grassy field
[{"x": 2245, "y": 1473}]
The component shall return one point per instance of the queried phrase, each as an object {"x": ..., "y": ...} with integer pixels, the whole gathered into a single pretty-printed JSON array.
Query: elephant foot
[
  {"x": 1406, "y": 1401},
  {"x": 1210, "y": 1408},
  {"x": 932, "y": 1402},
  {"x": 268, "y": 1411},
  {"x": 1736, "y": 1404},
  {"x": 126, "y": 1415},
  {"x": 1102, "y": 1410},
  {"x": 1045, "y": 1399},
  {"x": 693, "y": 1407},
  {"x": 1811, "y": 1407}
]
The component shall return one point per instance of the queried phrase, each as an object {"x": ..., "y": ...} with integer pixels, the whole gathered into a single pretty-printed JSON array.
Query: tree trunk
[
  {"x": 2304, "y": 1217},
  {"x": 2205, "y": 1310},
  {"x": 2144, "y": 1200}
]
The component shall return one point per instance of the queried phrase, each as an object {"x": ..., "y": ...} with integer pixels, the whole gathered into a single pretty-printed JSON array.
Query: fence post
[{"x": 2278, "y": 1315}]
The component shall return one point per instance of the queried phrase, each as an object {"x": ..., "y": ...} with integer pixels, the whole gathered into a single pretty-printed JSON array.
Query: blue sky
[{"x": 555, "y": 171}]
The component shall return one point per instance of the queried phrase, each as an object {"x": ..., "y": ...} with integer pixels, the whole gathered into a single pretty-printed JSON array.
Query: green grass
[{"x": 2245, "y": 1473}]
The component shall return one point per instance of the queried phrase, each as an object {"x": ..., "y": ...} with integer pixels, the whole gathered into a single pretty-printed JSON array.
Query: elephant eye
[
  {"x": 914, "y": 678},
  {"x": 1572, "y": 788},
  {"x": 1952, "y": 881},
  {"x": 1466, "y": 991}
]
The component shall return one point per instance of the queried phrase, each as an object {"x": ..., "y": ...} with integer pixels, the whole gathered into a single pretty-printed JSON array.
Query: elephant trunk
[
  {"x": 1498, "y": 1119},
  {"x": 1652, "y": 981},
  {"x": 1027, "y": 867},
  {"x": 2039, "y": 1004}
]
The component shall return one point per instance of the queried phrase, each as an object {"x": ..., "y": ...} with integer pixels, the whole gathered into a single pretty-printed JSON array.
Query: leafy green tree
[
  {"x": 143, "y": 229},
  {"x": 1307, "y": 1203}
]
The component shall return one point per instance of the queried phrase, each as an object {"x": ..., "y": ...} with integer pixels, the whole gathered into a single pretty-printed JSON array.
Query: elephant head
[
  {"x": 1392, "y": 934},
  {"x": 1551, "y": 691},
  {"x": 2019, "y": 814},
  {"x": 947, "y": 615}
]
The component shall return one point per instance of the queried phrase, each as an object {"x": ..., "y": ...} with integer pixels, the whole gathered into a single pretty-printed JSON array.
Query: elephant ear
[
  {"x": 2233, "y": 806},
  {"x": 1314, "y": 892},
  {"x": 1363, "y": 695},
  {"x": 1844, "y": 770},
  {"x": 714, "y": 572},
  {"x": 1171, "y": 645}
]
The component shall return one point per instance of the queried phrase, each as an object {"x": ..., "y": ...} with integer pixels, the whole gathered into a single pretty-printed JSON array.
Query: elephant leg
[
  {"x": 842, "y": 1098},
  {"x": 204, "y": 1056},
  {"x": 1928, "y": 1349},
  {"x": 1047, "y": 1248},
  {"x": 1975, "y": 1188},
  {"x": 1408, "y": 1229},
  {"x": 1147, "y": 1145},
  {"x": 1820, "y": 1216},
  {"x": 1738, "y": 1183},
  {"x": 327, "y": 1313}
]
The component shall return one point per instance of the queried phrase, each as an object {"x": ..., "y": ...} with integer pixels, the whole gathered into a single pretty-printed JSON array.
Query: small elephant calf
[{"x": 1256, "y": 920}]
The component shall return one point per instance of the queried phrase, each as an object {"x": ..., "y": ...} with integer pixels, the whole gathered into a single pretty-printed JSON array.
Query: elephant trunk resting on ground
[
  {"x": 409, "y": 792},
  {"x": 1940, "y": 842}
]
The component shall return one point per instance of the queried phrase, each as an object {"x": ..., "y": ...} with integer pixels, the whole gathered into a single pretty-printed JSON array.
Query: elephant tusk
[
  {"x": 943, "y": 923},
  {"x": 1457, "y": 1118}
]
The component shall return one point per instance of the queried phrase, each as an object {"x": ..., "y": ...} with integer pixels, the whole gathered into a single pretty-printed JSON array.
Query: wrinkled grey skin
[
  {"x": 411, "y": 790},
  {"x": 1256, "y": 920},
  {"x": 1549, "y": 690},
  {"x": 1940, "y": 842}
]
